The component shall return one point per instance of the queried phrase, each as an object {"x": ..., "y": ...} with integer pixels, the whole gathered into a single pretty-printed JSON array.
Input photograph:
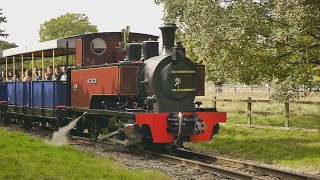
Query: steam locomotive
[{"x": 120, "y": 88}]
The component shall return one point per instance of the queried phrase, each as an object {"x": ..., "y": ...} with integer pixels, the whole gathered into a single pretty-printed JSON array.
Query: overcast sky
[{"x": 25, "y": 16}]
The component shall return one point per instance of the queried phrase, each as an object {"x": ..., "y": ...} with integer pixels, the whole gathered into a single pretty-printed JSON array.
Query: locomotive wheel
[
  {"x": 61, "y": 123},
  {"x": 27, "y": 124},
  {"x": 43, "y": 124},
  {"x": 80, "y": 128},
  {"x": 8, "y": 119},
  {"x": 4, "y": 118},
  {"x": 94, "y": 132},
  {"x": 53, "y": 125}
]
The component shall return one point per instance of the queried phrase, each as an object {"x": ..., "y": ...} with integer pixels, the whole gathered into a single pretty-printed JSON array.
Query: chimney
[{"x": 168, "y": 34}]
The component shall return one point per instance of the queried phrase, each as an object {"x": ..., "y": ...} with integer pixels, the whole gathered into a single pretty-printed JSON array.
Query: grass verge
[
  {"x": 294, "y": 149},
  {"x": 25, "y": 157},
  {"x": 298, "y": 121}
]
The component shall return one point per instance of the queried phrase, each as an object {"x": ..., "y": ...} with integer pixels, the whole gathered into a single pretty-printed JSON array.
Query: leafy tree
[
  {"x": 69, "y": 24},
  {"x": 251, "y": 41},
  {"x": 3, "y": 19},
  {"x": 66, "y": 25},
  {"x": 6, "y": 45}
]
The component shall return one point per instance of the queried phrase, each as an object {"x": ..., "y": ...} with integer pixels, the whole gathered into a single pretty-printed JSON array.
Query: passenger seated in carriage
[
  {"x": 3, "y": 76},
  {"x": 64, "y": 73},
  {"x": 49, "y": 72},
  {"x": 57, "y": 73},
  {"x": 28, "y": 76},
  {"x": 10, "y": 77},
  {"x": 35, "y": 73},
  {"x": 18, "y": 76},
  {"x": 38, "y": 77},
  {"x": 47, "y": 77}
]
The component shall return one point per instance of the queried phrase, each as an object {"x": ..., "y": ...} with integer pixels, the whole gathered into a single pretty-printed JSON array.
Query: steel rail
[
  {"x": 203, "y": 166},
  {"x": 261, "y": 169},
  {"x": 178, "y": 160}
]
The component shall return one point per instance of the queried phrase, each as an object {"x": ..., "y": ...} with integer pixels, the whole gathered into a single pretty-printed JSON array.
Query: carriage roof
[{"x": 61, "y": 47}]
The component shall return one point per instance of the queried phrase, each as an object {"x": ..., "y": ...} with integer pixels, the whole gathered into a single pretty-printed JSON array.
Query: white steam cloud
[{"x": 60, "y": 137}]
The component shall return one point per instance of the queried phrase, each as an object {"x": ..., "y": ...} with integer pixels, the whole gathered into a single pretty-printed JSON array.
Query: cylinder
[
  {"x": 133, "y": 52},
  {"x": 150, "y": 49},
  {"x": 168, "y": 34}
]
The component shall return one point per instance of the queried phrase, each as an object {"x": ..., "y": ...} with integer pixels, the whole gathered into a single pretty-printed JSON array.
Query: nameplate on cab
[{"x": 92, "y": 81}]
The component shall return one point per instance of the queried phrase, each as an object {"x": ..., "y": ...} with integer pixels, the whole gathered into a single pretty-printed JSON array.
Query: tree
[
  {"x": 66, "y": 25},
  {"x": 6, "y": 45},
  {"x": 251, "y": 41},
  {"x": 3, "y": 19}
]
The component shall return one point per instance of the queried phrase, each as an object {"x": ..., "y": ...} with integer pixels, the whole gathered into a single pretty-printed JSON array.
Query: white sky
[{"x": 25, "y": 16}]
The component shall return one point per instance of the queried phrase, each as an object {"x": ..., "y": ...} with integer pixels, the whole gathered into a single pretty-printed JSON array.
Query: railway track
[
  {"x": 257, "y": 171},
  {"x": 206, "y": 167},
  {"x": 220, "y": 166}
]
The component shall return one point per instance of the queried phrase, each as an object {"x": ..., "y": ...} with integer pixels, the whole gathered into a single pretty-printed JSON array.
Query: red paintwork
[
  {"x": 79, "y": 52},
  {"x": 107, "y": 83},
  {"x": 128, "y": 80},
  {"x": 61, "y": 107},
  {"x": 3, "y": 102},
  {"x": 210, "y": 119},
  {"x": 158, "y": 125}
]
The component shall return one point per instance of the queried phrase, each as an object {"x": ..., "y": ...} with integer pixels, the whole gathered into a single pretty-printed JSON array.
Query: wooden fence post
[
  {"x": 235, "y": 90},
  {"x": 249, "y": 103},
  {"x": 214, "y": 102},
  {"x": 286, "y": 113}
]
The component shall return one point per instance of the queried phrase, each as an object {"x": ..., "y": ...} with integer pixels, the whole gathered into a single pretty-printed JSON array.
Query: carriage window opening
[{"x": 98, "y": 46}]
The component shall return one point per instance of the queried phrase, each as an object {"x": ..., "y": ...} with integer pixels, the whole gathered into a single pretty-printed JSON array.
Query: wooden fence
[
  {"x": 249, "y": 102},
  {"x": 254, "y": 91},
  {"x": 239, "y": 90}
]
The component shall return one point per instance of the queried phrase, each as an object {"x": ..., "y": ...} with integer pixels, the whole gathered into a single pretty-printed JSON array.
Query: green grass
[
  {"x": 293, "y": 149},
  {"x": 298, "y": 121},
  {"x": 25, "y": 157}
]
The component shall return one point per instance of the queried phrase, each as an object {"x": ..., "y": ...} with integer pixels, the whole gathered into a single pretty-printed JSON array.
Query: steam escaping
[{"x": 60, "y": 137}]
